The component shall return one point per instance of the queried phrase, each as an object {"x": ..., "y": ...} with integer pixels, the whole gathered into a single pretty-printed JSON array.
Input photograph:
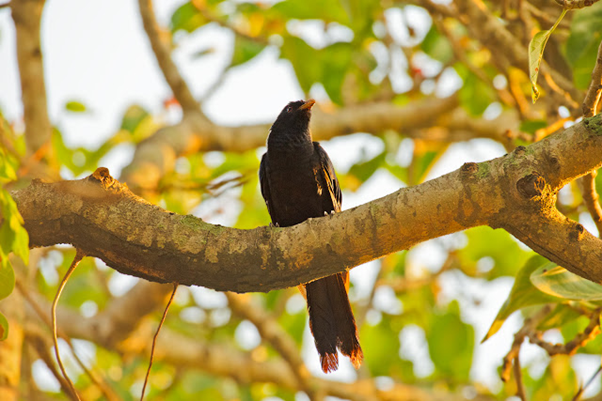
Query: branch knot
[
  {"x": 577, "y": 233},
  {"x": 531, "y": 186}
]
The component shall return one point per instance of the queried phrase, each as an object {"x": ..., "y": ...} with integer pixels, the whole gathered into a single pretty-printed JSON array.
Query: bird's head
[{"x": 293, "y": 120}]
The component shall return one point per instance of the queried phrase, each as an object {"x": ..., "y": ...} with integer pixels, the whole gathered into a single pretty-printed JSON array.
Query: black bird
[{"x": 298, "y": 182}]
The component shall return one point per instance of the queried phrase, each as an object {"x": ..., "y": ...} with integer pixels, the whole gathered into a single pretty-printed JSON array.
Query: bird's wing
[
  {"x": 326, "y": 170},
  {"x": 265, "y": 183}
]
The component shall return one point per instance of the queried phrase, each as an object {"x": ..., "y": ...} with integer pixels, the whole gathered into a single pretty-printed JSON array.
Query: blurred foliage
[
  {"x": 347, "y": 52},
  {"x": 13, "y": 237}
]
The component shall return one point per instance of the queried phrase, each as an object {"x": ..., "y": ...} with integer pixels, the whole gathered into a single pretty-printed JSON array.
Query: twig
[
  {"x": 519, "y": 337},
  {"x": 174, "y": 79},
  {"x": 577, "y": 396},
  {"x": 590, "y": 107},
  {"x": 550, "y": 129},
  {"x": 77, "y": 258},
  {"x": 37, "y": 342},
  {"x": 591, "y": 199},
  {"x": 96, "y": 378},
  {"x": 152, "y": 352},
  {"x": 518, "y": 376},
  {"x": 594, "y": 92},
  {"x": 590, "y": 332}
]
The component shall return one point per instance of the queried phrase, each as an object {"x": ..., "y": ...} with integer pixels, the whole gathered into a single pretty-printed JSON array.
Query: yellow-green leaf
[
  {"x": 3, "y": 327},
  {"x": 536, "y": 49},
  {"x": 523, "y": 294},
  {"x": 7, "y": 278},
  {"x": 75, "y": 107},
  {"x": 559, "y": 282}
]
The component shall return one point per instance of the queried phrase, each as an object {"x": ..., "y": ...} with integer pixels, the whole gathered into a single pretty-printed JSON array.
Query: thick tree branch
[{"x": 517, "y": 192}]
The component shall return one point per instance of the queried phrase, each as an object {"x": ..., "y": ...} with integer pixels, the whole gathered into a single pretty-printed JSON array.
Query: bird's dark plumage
[{"x": 298, "y": 182}]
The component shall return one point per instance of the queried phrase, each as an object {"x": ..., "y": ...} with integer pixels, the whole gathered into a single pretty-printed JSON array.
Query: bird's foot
[{"x": 274, "y": 224}]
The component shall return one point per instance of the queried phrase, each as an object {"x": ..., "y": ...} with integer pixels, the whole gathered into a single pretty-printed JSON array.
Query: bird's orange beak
[{"x": 307, "y": 105}]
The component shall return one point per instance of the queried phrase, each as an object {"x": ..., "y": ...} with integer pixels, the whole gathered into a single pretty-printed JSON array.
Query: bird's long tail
[{"x": 331, "y": 321}]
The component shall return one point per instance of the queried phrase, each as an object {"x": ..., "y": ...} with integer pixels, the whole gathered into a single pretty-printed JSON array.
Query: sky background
[{"x": 97, "y": 53}]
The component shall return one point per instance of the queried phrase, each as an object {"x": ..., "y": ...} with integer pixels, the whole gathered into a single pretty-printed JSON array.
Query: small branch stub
[
  {"x": 103, "y": 175},
  {"x": 469, "y": 169}
]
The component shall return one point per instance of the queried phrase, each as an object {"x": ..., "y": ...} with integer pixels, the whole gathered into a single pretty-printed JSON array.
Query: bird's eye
[{"x": 289, "y": 109}]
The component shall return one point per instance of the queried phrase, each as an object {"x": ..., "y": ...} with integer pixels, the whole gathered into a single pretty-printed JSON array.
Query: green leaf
[
  {"x": 507, "y": 255},
  {"x": 530, "y": 126},
  {"x": 451, "y": 344},
  {"x": 3, "y": 327},
  {"x": 381, "y": 345},
  {"x": 561, "y": 315},
  {"x": 475, "y": 95},
  {"x": 523, "y": 294},
  {"x": 365, "y": 169},
  {"x": 13, "y": 237},
  {"x": 137, "y": 122},
  {"x": 305, "y": 60},
  {"x": 425, "y": 154},
  {"x": 559, "y": 282},
  {"x": 437, "y": 46},
  {"x": 328, "y": 11},
  {"x": 336, "y": 60},
  {"x": 76, "y": 107},
  {"x": 244, "y": 50},
  {"x": 327, "y": 66},
  {"x": 7, "y": 278},
  {"x": 536, "y": 48},
  {"x": 186, "y": 18},
  {"x": 7, "y": 169},
  {"x": 582, "y": 44}
]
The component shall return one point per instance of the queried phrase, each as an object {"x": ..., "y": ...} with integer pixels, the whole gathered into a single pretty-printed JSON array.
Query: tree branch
[
  {"x": 157, "y": 154},
  {"x": 493, "y": 34},
  {"x": 590, "y": 106},
  {"x": 517, "y": 192},
  {"x": 27, "y": 16},
  {"x": 271, "y": 332},
  {"x": 175, "y": 81},
  {"x": 591, "y": 103},
  {"x": 221, "y": 360}
]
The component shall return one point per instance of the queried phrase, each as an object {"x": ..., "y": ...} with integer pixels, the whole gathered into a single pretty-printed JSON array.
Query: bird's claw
[{"x": 274, "y": 224}]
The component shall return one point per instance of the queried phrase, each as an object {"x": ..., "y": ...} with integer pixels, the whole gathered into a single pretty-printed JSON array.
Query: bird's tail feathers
[
  {"x": 348, "y": 341},
  {"x": 332, "y": 323}
]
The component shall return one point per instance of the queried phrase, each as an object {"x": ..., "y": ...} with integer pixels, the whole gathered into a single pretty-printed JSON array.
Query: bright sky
[{"x": 97, "y": 53}]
